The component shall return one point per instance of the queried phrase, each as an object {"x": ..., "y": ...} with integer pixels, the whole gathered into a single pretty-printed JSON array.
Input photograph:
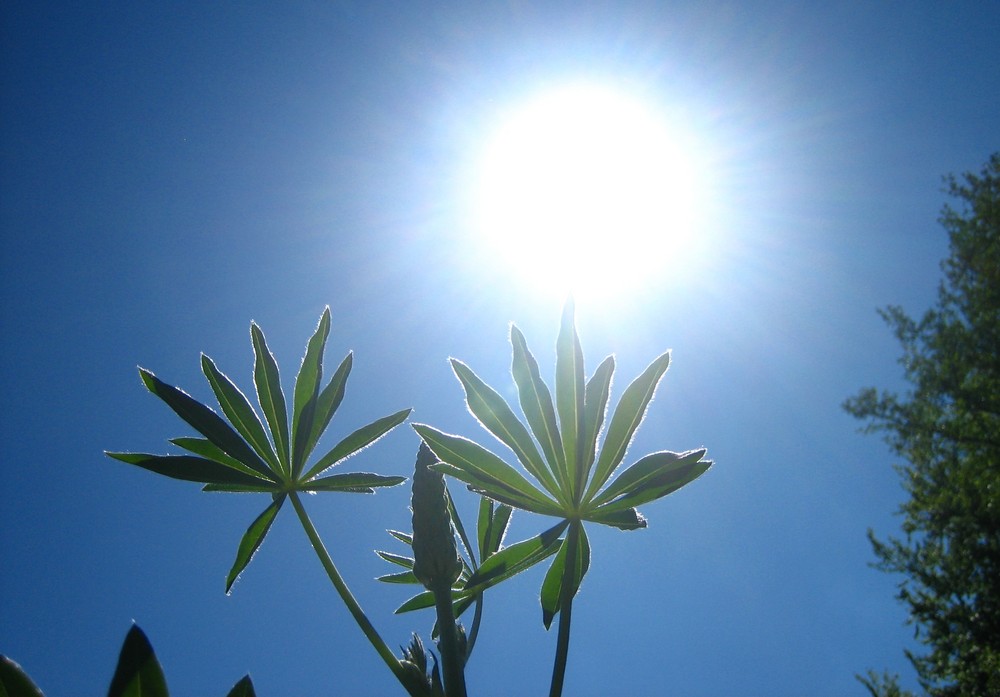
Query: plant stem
[
  {"x": 474, "y": 632},
  {"x": 566, "y": 594},
  {"x": 345, "y": 593},
  {"x": 452, "y": 657}
]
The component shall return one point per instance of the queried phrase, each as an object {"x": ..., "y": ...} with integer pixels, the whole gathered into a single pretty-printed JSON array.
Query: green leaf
[
  {"x": 596, "y": 406},
  {"x": 483, "y": 523},
  {"x": 209, "y": 450},
  {"x": 267, "y": 380},
  {"x": 14, "y": 682},
  {"x": 358, "y": 441},
  {"x": 307, "y": 392},
  {"x": 329, "y": 400},
  {"x": 498, "y": 529},
  {"x": 138, "y": 673},
  {"x": 403, "y": 537},
  {"x": 558, "y": 574},
  {"x": 516, "y": 558},
  {"x": 420, "y": 601},
  {"x": 626, "y": 419},
  {"x": 658, "y": 487},
  {"x": 240, "y": 412},
  {"x": 397, "y": 559},
  {"x": 252, "y": 540},
  {"x": 484, "y": 468},
  {"x": 488, "y": 486},
  {"x": 357, "y": 482},
  {"x": 243, "y": 688},
  {"x": 193, "y": 469},
  {"x": 496, "y": 416},
  {"x": 456, "y": 522},
  {"x": 205, "y": 421},
  {"x": 650, "y": 467},
  {"x": 570, "y": 397},
  {"x": 402, "y": 577},
  {"x": 536, "y": 403},
  {"x": 628, "y": 519}
]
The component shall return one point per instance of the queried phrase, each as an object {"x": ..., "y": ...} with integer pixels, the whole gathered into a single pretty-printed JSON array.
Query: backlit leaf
[
  {"x": 252, "y": 540},
  {"x": 205, "y": 421},
  {"x": 191, "y": 469},
  {"x": 358, "y": 441},
  {"x": 240, "y": 412},
  {"x": 626, "y": 419},
  {"x": 267, "y": 380},
  {"x": 307, "y": 392},
  {"x": 496, "y": 416},
  {"x": 483, "y": 466},
  {"x": 570, "y": 397},
  {"x": 358, "y": 482},
  {"x": 328, "y": 401},
  {"x": 536, "y": 403}
]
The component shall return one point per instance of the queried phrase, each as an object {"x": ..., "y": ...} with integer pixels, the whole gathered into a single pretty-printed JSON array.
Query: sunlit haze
[{"x": 589, "y": 189}]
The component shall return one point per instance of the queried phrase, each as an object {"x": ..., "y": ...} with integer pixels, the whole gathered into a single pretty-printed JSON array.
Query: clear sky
[{"x": 171, "y": 171}]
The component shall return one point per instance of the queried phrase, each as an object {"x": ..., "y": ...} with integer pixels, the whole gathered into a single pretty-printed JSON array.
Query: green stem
[
  {"x": 452, "y": 657},
  {"x": 566, "y": 593},
  {"x": 474, "y": 632},
  {"x": 345, "y": 593}
]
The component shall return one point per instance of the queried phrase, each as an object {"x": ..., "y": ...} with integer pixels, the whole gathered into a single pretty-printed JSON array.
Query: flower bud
[{"x": 436, "y": 562}]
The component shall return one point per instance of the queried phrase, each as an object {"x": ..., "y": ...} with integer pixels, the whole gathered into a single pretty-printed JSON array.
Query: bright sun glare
[{"x": 588, "y": 190}]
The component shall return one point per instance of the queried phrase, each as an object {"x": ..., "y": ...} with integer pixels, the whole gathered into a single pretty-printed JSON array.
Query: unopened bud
[{"x": 436, "y": 562}]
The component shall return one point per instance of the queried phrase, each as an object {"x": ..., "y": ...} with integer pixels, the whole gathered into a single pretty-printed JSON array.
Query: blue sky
[{"x": 170, "y": 172}]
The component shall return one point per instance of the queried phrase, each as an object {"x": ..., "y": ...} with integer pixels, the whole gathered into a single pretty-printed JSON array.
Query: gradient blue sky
[{"x": 170, "y": 172}]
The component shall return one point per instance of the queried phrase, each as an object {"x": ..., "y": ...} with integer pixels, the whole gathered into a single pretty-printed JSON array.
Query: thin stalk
[
  {"x": 566, "y": 594},
  {"x": 452, "y": 657},
  {"x": 474, "y": 631},
  {"x": 345, "y": 593}
]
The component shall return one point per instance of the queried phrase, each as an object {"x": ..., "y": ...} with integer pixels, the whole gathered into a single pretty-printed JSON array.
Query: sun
[{"x": 588, "y": 189}]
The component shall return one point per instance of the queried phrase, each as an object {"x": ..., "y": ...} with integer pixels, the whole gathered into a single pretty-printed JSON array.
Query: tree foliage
[{"x": 946, "y": 428}]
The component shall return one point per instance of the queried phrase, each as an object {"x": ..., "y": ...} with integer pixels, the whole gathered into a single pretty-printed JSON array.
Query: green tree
[{"x": 946, "y": 428}]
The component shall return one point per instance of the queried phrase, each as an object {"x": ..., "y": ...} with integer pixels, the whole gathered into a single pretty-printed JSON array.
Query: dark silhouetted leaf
[
  {"x": 138, "y": 673},
  {"x": 14, "y": 682}
]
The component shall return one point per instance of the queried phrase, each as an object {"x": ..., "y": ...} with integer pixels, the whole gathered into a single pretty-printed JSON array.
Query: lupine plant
[{"x": 571, "y": 476}]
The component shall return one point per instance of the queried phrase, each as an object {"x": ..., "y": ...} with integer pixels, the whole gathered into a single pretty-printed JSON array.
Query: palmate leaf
[
  {"x": 252, "y": 540},
  {"x": 244, "y": 456},
  {"x": 568, "y": 433},
  {"x": 307, "y": 393}
]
